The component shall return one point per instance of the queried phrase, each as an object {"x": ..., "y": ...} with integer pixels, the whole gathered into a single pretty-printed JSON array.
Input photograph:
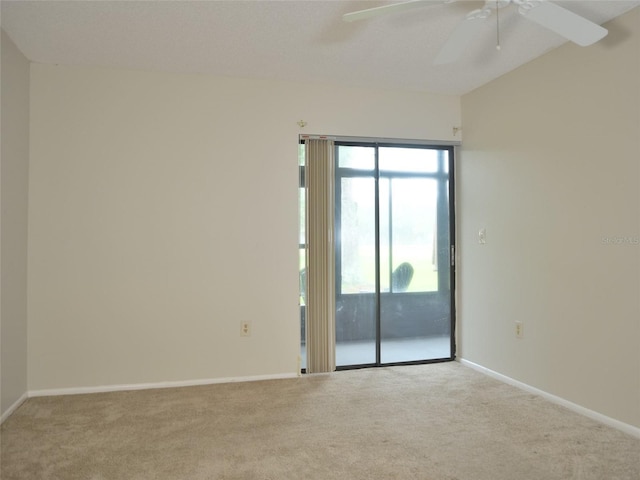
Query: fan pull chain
[{"x": 497, "y": 25}]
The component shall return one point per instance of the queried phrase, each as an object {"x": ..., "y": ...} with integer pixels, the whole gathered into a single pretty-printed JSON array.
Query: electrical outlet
[
  {"x": 245, "y": 328},
  {"x": 519, "y": 330}
]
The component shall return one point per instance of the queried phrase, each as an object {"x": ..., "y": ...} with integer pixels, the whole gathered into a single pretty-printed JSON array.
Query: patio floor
[{"x": 392, "y": 351}]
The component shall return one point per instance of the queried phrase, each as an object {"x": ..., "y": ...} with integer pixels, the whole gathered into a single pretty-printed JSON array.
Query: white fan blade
[
  {"x": 564, "y": 22},
  {"x": 461, "y": 37},
  {"x": 388, "y": 9}
]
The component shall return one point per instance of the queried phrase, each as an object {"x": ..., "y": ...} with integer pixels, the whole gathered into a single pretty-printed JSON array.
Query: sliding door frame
[
  {"x": 450, "y": 232},
  {"x": 451, "y": 147}
]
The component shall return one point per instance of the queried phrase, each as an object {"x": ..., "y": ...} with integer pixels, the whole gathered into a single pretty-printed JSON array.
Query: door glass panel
[
  {"x": 357, "y": 236},
  {"x": 356, "y": 300},
  {"x": 412, "y": 160},
  {"x": 415, "y": 319},
  {"x": 413, "y": 235},
  {"x": 361, "y": 158},
  {"x": 385, "y": 239}
]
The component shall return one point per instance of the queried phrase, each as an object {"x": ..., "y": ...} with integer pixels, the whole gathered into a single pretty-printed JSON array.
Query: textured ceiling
[{"x": 293, "y": 40}]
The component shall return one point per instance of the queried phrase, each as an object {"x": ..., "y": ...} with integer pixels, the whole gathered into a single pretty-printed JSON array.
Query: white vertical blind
[{"x": 320, "y": 284}]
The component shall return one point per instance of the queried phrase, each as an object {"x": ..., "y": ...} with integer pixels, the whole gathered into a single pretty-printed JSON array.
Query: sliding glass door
[
  {"x": 394, "y": 240},
  {"x": 393, "y": 254}
]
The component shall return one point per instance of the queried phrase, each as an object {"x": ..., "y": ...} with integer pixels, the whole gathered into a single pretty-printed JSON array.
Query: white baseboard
[
  {"x": 13, "y": 407},
  {"x": 611, "y": 422},
  {"x": 148, "y": 386}
]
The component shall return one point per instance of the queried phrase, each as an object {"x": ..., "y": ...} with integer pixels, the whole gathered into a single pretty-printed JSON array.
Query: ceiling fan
[{"x": 545, "y": 13}]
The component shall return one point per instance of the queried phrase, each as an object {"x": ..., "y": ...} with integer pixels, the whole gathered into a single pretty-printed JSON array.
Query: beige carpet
[{"x": 428, "y": 422}]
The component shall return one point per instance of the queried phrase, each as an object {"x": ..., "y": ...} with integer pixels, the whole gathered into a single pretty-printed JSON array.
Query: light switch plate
[{"x": 482, "y": 236}]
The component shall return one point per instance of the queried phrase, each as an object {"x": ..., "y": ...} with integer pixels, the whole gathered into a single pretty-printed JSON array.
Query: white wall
[
  {"x": 13, "y": 225},
  {"x": 163, "y": 211},
  {"x": 550, "y": 166}
]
